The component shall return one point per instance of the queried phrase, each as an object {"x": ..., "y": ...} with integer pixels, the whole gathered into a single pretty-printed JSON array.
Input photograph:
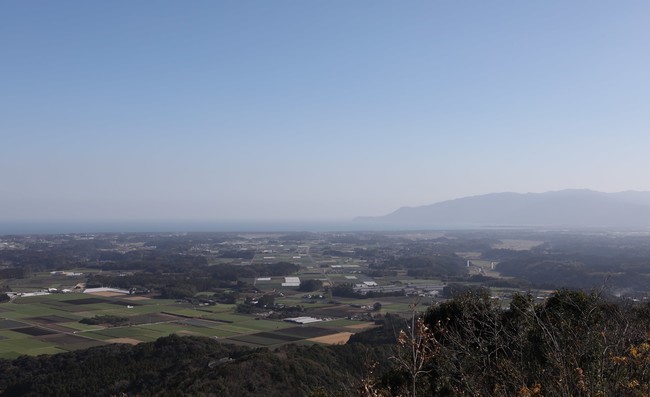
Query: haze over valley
[{"x": 324, "y": 199}]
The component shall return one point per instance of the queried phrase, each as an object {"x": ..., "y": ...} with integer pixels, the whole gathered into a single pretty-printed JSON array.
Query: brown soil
[
  {"x": 361, "y": 326},
  {"x": 336, "y": 339},
  {"x": 137, "y": 298}
]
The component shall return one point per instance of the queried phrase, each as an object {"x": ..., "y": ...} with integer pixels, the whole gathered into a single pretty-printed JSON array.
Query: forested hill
[
  {"x": 566, "y": 208},
  {"x": 188, "y": 366},
  {"x": 573, "y": 344}
]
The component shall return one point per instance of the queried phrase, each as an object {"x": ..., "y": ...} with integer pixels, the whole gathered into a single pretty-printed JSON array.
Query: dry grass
[
  {"x": 137, "y": 298},
  {"x": 334, "y": 339}
]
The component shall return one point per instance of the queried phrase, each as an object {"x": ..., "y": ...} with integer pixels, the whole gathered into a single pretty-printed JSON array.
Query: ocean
[{"x": 178, "y": 226}]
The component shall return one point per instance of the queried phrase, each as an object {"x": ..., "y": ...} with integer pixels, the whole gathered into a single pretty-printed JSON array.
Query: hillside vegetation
[{"x": 574, "y": 344}]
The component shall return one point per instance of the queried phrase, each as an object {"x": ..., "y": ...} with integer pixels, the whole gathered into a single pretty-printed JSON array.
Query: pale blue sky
[{"x": 215, "y": 110}]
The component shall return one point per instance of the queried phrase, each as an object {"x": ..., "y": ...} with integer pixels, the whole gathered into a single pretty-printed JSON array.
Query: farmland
[
  {"x": 240, "y": 288},
  {"x": 50, "y": 324}
]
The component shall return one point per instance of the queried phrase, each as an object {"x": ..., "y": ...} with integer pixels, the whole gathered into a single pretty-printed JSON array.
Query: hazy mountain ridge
[{"x": 564, "y": 208}]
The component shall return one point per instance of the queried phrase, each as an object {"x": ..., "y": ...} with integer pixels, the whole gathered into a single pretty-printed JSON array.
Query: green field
[{"x": 49, "y": 324}]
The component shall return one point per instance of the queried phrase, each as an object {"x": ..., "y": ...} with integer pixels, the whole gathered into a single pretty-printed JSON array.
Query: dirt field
[
  {"x": 136, "y": 298},
  {"x": 124, "y": 340},
  {"x": 336, "y": 339},
  {"x": 361, "y": 326}
]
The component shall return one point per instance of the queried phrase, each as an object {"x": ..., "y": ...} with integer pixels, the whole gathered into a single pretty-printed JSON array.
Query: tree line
[{"x": 575, "y": 343}]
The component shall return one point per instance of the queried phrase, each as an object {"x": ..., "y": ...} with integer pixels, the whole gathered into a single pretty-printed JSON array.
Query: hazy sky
[{"x": 314, "y": 109}]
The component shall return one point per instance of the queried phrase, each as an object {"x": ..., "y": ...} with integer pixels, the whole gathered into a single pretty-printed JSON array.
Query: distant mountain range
[{"x": 575, "y": 208}]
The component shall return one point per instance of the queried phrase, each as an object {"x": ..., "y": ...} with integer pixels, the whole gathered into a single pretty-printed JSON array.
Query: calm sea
[{"x": 202, "y": 226}]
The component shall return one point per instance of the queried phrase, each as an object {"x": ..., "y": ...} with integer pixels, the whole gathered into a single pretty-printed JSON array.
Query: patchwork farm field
[{"x": 50, "y": 324}]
